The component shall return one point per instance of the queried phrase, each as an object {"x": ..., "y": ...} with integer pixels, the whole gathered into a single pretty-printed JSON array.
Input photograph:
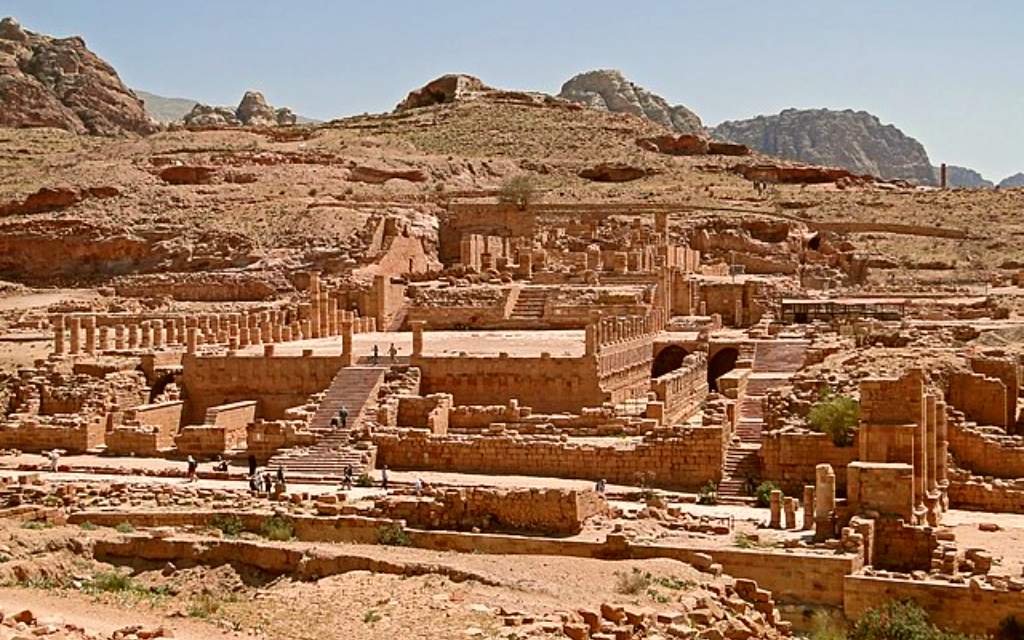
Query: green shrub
[
  {"x": 36, "y": 525},
  {"x": 827, "y": 626},
  {"x": 88, "y": 526},
  {"x": 364, "y": 481},
  {"x": 708, "y": 494},
  {"x": 203, "y": 606},
  {"x": 124, "y": 527},
  {"x": 371, "y": 616},
  {"x": 763, "y": 493},
  {"x": 230, "y": 526},
  {"x": 520, "y": 190},
  {"x": 393, "y": 535},
  {"x": 277, "y": 528},
  {"x": 836, "y": 415},
  {"x": 112, "y": 582},
  {"x": 898, "y": 621}
]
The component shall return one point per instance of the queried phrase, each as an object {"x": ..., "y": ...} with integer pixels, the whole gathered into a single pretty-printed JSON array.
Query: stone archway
[
  {"x": 668, "y": 359},
  {"x": 721, "y": 363}
]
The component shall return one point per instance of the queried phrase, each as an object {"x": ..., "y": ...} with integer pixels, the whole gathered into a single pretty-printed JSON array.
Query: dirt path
[{"x": 101, "y": 618}]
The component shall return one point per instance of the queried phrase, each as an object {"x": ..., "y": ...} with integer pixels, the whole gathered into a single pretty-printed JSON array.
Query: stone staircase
[
  {"x": 530, "y": 304},
  {"x": 353, "y": 387},
  {"x": 774, "y": 363}
]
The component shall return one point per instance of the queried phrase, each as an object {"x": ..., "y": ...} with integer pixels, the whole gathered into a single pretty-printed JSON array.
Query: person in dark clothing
[
  {"x": 347, "y": 479},
  {"x": 192, "y": 467},
  {"x": 268, "y": 483},
  {"x": 253, "y": 484},
  {"x": 280, "y": 474},
  {"x": 252, "y": 465},
  {"x": 384, "y": 477},
  {"x": 376, "y": 354},
  {"x": 343, "y": 416}
]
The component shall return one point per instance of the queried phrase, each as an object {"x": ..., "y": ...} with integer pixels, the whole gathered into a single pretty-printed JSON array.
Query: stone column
[
  {"x": 119, "y": 337},
  {"x": 75, "y": 330},
  {"x": 789, "y": 506},
  {"x": 89, "y": 329},
  {"x": 332, "y": 316},
  {"x": 775, "y": 502},
  {"x": 172, "y": 331},
  {"x": 158, "y": 333},
  {"x": 824, "y": 502},
  {"x": 190, "y": 340},
  {"x": 931, "y": 442},
  {"x": 417, "y": 337},
  {"x": 58, "y": 334},
  {"x": 104, "y": 338},
  {"x": 147, "y": 335},
  {"x": 243, "y": 336},
  {"x": 133, "y": 336},
  {"x": 808, "y": 507},
  {"x": 346, "y": 342}
]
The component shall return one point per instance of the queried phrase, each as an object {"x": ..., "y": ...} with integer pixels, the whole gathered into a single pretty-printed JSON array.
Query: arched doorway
[
  {"x": 721, "y": 363},
  {"x": 668, "y": 359}
]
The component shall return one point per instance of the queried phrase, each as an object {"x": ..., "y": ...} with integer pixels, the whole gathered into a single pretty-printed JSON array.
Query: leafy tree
[
  {"x": 520, "y": 190},
  {"x": 837, "y": 415}
]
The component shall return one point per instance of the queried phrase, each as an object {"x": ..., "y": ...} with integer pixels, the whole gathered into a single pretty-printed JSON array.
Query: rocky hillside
[
  {"x": 855, "y": 140},
  {"x": 58, "y": 82},
  {"x": 253, "y": 110},
  {"x": 1012, "y": 182},
  {"x": 963, "y": 177},
  {"x": 609, "y": 90}
]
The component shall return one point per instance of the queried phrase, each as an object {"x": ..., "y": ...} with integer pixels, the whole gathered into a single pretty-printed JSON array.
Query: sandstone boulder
[
  {"x": 376, "y": 175},
  {"x": 614, "y": 172},
  {"x": 252, "y": 111},
  {"x": 447, "y": 88}
]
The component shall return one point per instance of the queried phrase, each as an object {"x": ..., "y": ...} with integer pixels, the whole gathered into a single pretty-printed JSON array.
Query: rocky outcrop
[
  {"x": 962, "y": 177},
  {"x": 1012, "y": 182},
  {"x": 376, "y": 175},
  {"x": 252, "y": 111},
  {"x": 785, "y": 174},
  {"x": 609, "y": 90},
  {"x": 691, "y": 145},
  {"x": 54, "y": 199},
  {"x": 614, "y": 172},
  {"x": 447, "y": 88},
  {"x": 854, "y": 140},
  {"x": 58, "y": 82}
]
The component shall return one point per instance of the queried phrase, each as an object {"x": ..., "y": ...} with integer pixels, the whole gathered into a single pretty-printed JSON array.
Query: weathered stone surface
[
  {"x": 58, "y": 82},
  {"x": 614, "y": 172},
  {"x": 252, "y": 111},
  {"x": 447, "y": 88},
  {"x": 609, "y": 90}
]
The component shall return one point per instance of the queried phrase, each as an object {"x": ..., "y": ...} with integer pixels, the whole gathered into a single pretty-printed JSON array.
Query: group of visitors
[
  {"x": 392, "y": 351},
  {"x": 265, "y": 481}
]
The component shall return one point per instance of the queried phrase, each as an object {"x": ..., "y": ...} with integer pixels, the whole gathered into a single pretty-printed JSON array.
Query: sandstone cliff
[
  {"x": 854, "y": 140},
  {"x": 58, "y": 82},
  {"x": 609, "y": 90},
  {"x": 1012, "y": 182},
  {"x": 253, "y": 111}
]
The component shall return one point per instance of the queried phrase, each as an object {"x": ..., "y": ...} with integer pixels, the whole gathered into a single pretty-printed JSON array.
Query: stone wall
[
  {"x": 1006, "y": 371},
  {"x": 164, "y": 416},
  {"x": 901, "y": 547},
  {"x": 682, "y": 391},
  {"x": 975, "y": 493},
  {"x": 982, "y": 399},
  {"x": 788, "y": 458},
  {"x": 264, "y": 438},
  {"x": 545, "y": 383},
  {"x": 533, "y": 511},
  {"x": 968, "y": 608},
  {"x": 276, "y": 383},
  {"x": 985, "y": 452},
  {"x": 430, "y": 412},
  {"x": 684, "y": 458},
  {"x": 880, "y": 487},
  {"x": 223, "y": 430},
  {"x": 72, "y": 435}
]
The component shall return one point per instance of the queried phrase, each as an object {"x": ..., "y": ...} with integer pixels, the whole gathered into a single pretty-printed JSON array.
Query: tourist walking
[
  {"x": 54, "y": 460},
  {"x": 346, "y": 480},
  {"x": 393, "y": 352},
  {"x": 384, "y": 477},
  {"x": 376, "y": 354},
  {"x": 252, "y": 465},
  {"x": 193, "y": 466},
  {"x": 343, "y": 416}
]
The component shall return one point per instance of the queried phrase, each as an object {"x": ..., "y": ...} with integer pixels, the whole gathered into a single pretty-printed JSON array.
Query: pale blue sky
[{"x": 947, "y": 72}]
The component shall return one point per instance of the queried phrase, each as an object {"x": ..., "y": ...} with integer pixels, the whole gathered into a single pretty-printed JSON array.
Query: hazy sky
[{"x": 945, "y": 72}]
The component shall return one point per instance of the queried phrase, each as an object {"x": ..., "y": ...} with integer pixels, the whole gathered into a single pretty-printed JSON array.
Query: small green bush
[
  {"x": 88, "y": 526},
  {"x": 203, "y": 606},
  {"x": 277, "y": 528},
  {"x": 763, "y": 493},
  {"x": 36, "y": 525},
  {"x": 230, "y": 526},
  {"x": 364, "y": 481},
  {"x": 836, "y": 415},
  {"x": 124, "y": 527},
  {"x": 112, "y": 582},
  {"x": 520, "y": 190},
  {"x": 393, "y": 535},
  {"x": 371, "y": 616},
  {"x": 898, "y": 621},
  {"x": 708, "y": 493}
]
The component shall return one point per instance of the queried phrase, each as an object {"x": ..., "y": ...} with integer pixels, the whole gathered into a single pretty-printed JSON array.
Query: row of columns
[{"x": 601, "y": 331}]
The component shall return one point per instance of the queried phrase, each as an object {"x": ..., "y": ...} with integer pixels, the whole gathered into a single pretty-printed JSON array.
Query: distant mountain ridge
[
  {"x": 166, "y": 110},
  {"x": 963, "y": 177},
  {"x": 1012, "y": 182},
  {"x": 855, "y": 140}
]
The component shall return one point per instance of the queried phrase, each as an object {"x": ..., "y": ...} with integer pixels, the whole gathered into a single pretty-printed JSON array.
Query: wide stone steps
[
  {"x": 741, "y": 462},
  {"x": 352, "y": 387},
  {"x": 530, "y": 304},
  {"x": 779, "y": 355}
]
